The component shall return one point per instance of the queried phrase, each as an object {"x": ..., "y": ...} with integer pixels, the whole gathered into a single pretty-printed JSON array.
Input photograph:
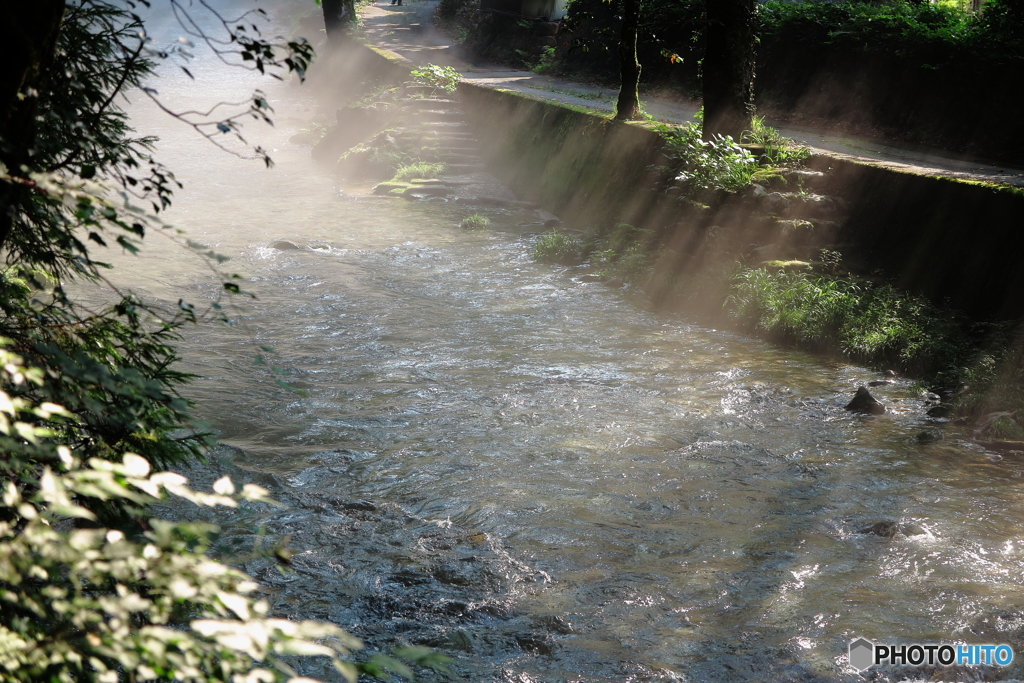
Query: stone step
[
  {"x": 463, "y": 148},
  {"x": 434, "y": 117},
  {"x": 457, "y": 169},
  {"x": 446, "y": 126},
  {"x": 455, "y": 138},
  {"x": 460, "y": 158},
  {"x": 430, "y": 102}
]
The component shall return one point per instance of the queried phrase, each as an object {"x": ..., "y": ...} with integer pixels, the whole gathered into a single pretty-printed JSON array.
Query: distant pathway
[{"x": 407, "y": 30}]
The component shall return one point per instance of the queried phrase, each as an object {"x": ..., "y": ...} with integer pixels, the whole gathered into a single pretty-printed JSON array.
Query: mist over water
[{"x": 652, "y": 500}]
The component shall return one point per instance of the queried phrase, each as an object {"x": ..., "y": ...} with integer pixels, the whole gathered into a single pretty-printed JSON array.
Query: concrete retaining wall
[{"x": 953, "y": 241}]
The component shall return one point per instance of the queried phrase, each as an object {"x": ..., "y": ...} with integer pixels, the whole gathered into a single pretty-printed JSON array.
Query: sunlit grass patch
[
  {"x": 475, "y": 222},
  {"x": 868, "y": 322},
  {"x": 420, "y": 169}
]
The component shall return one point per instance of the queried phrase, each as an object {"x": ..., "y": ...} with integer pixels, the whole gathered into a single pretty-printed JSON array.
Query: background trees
[
  {"x": 925, "y": 73},
  {"x": 339, "y": 17},
  {"x": 628, "y": 105},
  {"x": 727, "y": 79}
]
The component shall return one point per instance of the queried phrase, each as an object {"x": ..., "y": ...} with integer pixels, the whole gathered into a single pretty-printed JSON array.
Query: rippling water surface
[{"x": 541, "y": 475}]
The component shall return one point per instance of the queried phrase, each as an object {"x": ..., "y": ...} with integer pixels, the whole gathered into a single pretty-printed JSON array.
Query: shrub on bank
[
  {"x": 879, "y": 325},
  {"x": 558, "y": 247},
  {"x": 868, "y": 322}
]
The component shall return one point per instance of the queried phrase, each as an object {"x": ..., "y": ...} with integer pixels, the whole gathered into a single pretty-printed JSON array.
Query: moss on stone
[{"x": 389, "y": 186}]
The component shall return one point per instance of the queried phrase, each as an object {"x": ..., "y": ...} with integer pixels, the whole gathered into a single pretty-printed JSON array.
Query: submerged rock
[
  {"x": 864, "y": 402},
  {"x": 427, "y": 190},
  {"x": 389, "y": 185},
  {"x": 886, "y": 528},
  {"x": 284, "y": 245}
]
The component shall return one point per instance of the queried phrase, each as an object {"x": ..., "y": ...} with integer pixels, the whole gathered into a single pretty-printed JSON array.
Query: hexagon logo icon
[{"x": 862, "y": 654}]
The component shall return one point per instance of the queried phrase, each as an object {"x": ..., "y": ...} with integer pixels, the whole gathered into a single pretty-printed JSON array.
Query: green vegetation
[
  {"x": 778, "y": 149},
  {"x": 704, "y": 257},
  {"x": 572, "y": 93},
  {"x": 558, "y": 247},
  {"x": 867, "y": 322},
  {"x": 543, "y": 63},
  {"x": 701, "y": 166},
  {"x": 879, "y": 325},
  {"x": 475, "y": 222},
  {"x": 421, "y": 170},
  {"x": 623, "y": 251},
  {"x": 443, "y": 78},
  {"x": 99, "y": 603}
]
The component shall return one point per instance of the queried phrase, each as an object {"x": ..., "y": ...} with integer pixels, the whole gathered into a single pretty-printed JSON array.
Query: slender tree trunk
[
  {"x": 728, "y": 68},
  {"x": 28, "y": 34},
  {"x": 628, "y": 106},
  {"x": 339, "y": 16}
]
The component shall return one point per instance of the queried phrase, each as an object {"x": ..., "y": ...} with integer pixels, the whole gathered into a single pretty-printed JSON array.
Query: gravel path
[{"x": 408, "y": 31}]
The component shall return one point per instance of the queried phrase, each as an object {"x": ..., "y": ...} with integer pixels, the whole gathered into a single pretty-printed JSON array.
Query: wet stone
[
  {"x": 864, "y": 402},
  {"x": 284, "y": 245},
  {"x": 554, "y": 623},
  {"x": 531, "y": 642},
  {"x": 885, "y": 529}
]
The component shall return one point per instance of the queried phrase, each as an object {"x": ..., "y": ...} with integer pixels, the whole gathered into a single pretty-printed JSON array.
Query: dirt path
[{"x": 407, "y": 30}]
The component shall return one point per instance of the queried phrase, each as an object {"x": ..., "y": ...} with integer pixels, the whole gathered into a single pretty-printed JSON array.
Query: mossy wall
[
  {"x": 954, "y": 241},
  {"x": 581, "y": 166}
]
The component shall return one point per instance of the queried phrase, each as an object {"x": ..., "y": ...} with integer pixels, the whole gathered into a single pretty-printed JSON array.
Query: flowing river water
[{"x": 541, "y": 475}]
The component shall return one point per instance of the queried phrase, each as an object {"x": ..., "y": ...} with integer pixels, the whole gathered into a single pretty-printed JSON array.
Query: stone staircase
[
  {"x": 439, "y": 131},
  {"x": 434, "y": 130}
]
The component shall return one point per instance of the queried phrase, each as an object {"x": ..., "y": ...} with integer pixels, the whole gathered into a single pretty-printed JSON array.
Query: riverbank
[{"x": 895, "y": 231}]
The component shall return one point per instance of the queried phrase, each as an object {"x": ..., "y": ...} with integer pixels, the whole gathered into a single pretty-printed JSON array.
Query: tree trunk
[
  {"x": 628, "y": 106},
  {"x": 28, "y": 34},
  {"x": 728, "y": 68},
  {"x": 339, "y": 16}
]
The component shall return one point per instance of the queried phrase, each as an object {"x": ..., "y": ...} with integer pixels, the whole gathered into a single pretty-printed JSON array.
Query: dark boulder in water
[
  {"x": 886, "y": 529},
  {"x": 284, "y": 245},
  {"x": 864, "y": 402}
]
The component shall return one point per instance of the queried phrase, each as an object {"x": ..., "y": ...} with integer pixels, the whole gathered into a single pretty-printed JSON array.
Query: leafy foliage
[
  {"x": 99, "y": 603},
  {"x": 81, "y": 183},
  {"x": 706, "y": 166},
  {"x": 92, "y": 590},
  {"x": 444, "y": 78},
  {"x": 870, "y": 323},
  {"x": 778, "y": 149}
]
